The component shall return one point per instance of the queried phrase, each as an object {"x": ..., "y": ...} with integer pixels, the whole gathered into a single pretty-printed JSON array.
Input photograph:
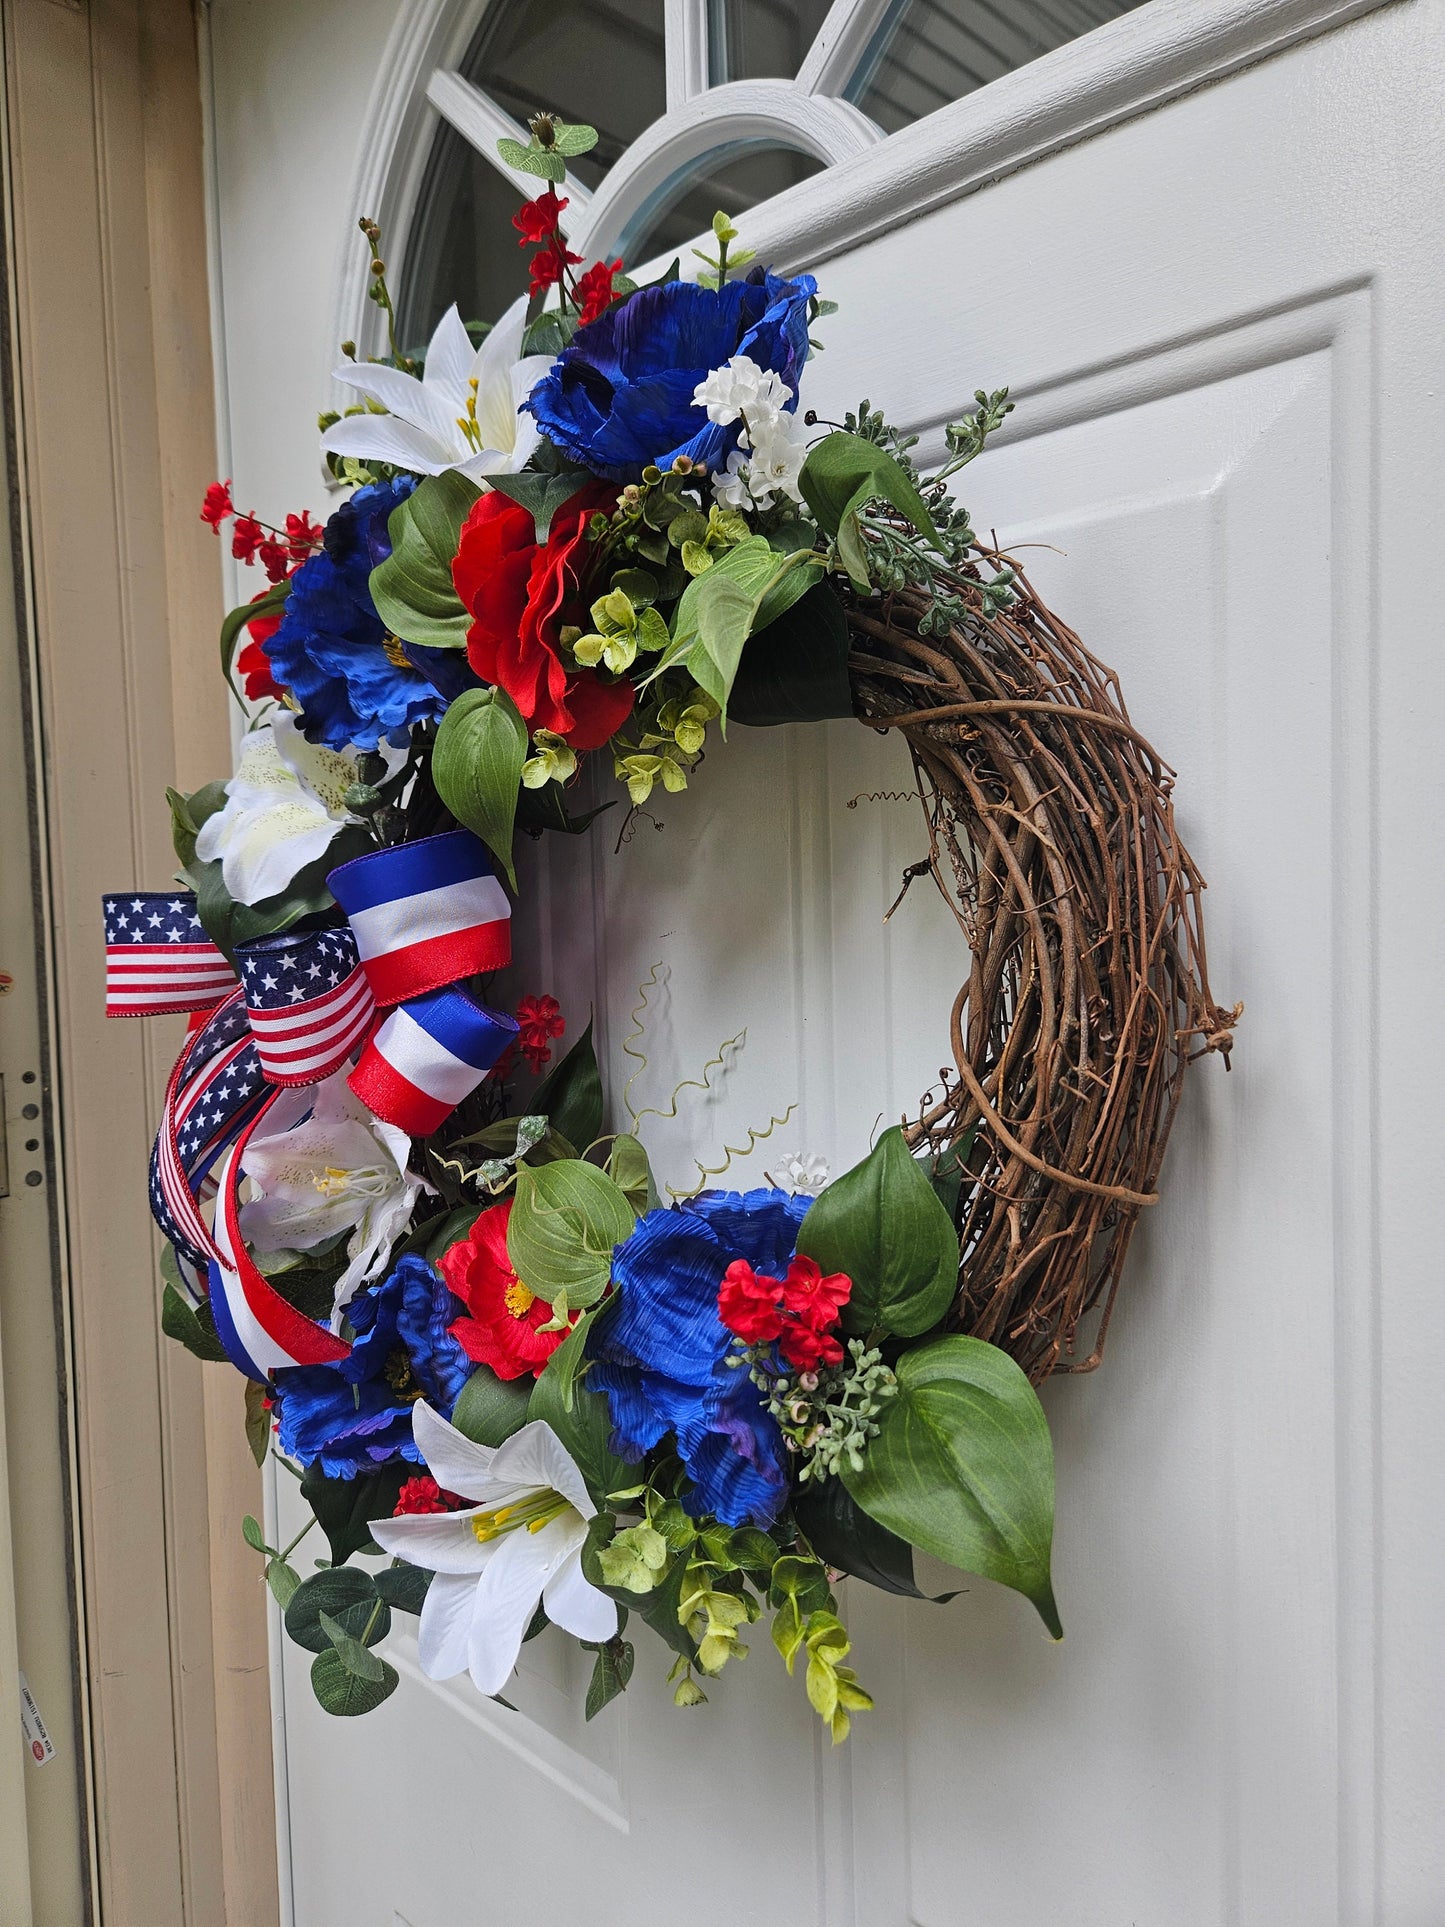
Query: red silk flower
[
  {"x": 594, "y": 289},
  {"x": 519, "y": 597},
  {"x": 797, "y": 1312},
  {"x": 253, "y": 665},
  {"x": 502, "y": 1329}
]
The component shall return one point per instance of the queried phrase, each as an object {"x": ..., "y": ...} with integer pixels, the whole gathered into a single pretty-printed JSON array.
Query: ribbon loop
[
  {"x": 158, "y": 958},
  {"x": 425, "y": 914},
  {"x": 427, "y": 1056},
  {"x": 309, "y": 1002}
]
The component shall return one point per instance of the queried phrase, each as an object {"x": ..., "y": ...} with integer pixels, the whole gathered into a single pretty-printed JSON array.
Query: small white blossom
[
  {"x": 742, "y": 388},
  {"x": 800, "y": 1172},
  {"x": 772, "y": 465}
]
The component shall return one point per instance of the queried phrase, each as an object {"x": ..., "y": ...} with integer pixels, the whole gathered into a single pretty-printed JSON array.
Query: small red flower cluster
[
  {"x": 279, "y": 551},
  {"x": 538, "y": 223},
  {"x": 423, "y": 1494},
  {"x": 796, "y": 1312},
  {"x": 539, "y": 1019}
]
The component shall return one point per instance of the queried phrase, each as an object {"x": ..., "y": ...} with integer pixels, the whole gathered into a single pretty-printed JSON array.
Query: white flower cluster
[{"x": 772, "y": 445}]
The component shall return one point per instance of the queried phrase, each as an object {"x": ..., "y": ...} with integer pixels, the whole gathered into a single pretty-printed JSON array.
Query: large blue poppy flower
[
  {"x": 620, "y": 394},
  {"x": 356, "y": 1415},
  {"x": 354, "y": 683},
  {"x": 660, "y": 1351}
]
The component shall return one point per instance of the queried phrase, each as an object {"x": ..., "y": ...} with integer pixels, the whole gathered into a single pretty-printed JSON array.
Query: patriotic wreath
[{"x": 466, "y": 1318}]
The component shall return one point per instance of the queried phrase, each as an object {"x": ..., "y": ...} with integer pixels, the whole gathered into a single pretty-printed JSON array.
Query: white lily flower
[
  {"x": 461, "y": 414},
  {"x": 520, "y": 1542},
  {"x": 323, "y": 1162},
  {"x": 283, "y": 807}
]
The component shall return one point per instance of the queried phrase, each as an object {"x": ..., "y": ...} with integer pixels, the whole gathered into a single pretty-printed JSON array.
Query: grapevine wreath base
[
  {"x": 469, "y": 1322},
  {"x": 1051, "y": 837}
]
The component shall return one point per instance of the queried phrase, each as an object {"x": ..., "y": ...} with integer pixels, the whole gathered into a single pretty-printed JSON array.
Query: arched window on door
[{"x": 699, "y": 104}]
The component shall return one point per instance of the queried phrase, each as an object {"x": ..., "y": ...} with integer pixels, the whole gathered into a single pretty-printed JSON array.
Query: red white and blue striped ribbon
[
  {"x": 261, "y": 1332},
  {"x": 158, "y": 959},
  {"x": 309, "y": 1002},
  {"x": 427, "y": 1056},
  {"x": 425, "y": 914}
]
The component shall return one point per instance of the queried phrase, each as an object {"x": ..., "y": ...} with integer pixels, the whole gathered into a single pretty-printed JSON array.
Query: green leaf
[
  {"x": 717, "y": 612},
  {"x": 570, "y": 1095},
  {"x": 269, "y": 604},
  {"x": 629, "y": 1169},
  {"x": 449, "y": 1230},
  {"x": 963, "y": 1467},
  {"x": 476, "y": 767},
  {"x": 566, "y": 1219},
  {"x": 546, "y": 809},
  {"x": 548, "y": 334},
  {"x": 413, "y": 588},
  {"x": 573, "y": 137},
  {"x": 344, "y": 1694},
  {"x": 796, "y": 670},
  {"x": 403, "y": 1587},
  {"x": 344, "y": 1508},
  {"x": 489, "y": 1409},
  {"x": 610, "y": 1674},
  {"x": 283, "y": 1581},
  {"x": 842, "y": 474},
  {"x": 565, "y": 1365},
  {"x": 360, "y": 1663},
  {"x": 840, "y": 1531},
  {"x": 541, "y": 495},
  {"x": 883, "y": 1225},
  {"x": 253, "y": 1535},
  {"x": 258, "y": 1421},
  {"x": 658, "y": 1608},
  {"x": 584, "y": 1425},
  {"x": 950, "y": 1172},
  {"x": 547, "y": 166},
  {"x": 191, "y": 1326},
  {"x": 348, "y": 1596},
  {"x": 788, "y": 587}
]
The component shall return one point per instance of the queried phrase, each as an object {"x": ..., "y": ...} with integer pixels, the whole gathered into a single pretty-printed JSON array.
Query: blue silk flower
[
  {"x": 660, "y": 1349},
  {"x": 620, "y": 394},
  {"x": 355, "y": 683},
  {"x": 356, "y": 1415}
]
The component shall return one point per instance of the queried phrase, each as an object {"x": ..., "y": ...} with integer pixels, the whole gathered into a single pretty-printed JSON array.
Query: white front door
[{"x": 1220, "y": 320}]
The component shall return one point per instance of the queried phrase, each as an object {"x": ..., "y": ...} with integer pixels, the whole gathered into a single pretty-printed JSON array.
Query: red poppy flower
[
  {"x": 538, "y": 1020},
  {"x": 594, "y": 289},
  {"x": 502, "y": 1330},
  {"x": 519, "y": 597},
  {"x": 537, "y": 220},
  {"x": 217, "y": 505}
]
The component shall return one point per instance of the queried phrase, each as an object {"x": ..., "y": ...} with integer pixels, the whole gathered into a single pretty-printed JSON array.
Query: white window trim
[{"x": 870, "y": 184}]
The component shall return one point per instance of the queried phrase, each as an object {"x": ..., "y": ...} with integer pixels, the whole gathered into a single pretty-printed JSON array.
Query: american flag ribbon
[
  {"x": 427, "y": 1056},
  {"x": 309, "y": 1002},
  {"x": 425, "y": 914},
  {"x": 215, "y": 1090},
  {"x": 157, "y": 956}
]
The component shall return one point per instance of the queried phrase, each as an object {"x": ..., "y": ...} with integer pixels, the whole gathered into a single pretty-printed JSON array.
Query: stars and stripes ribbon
[
  {"x": 425, "y": 914},
  {"x": 216, "y": 1098},
  {"x": 427, "y": 1056},
  {"x": 309, "y": 1002},
  {"x": 157, "y": 957}
]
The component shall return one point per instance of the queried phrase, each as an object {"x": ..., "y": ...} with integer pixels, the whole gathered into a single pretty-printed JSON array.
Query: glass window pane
[
  {"x": 760, "y": 39},
  {"x": 599, "y": 61},
  {"x": 462, "y": 246},
  {"x": 733, "y": 178},
  {"x": 929, "y": 52}
]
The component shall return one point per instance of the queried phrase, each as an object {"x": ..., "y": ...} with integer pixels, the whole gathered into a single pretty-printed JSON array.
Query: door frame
[{"x": 110, "y": 375}]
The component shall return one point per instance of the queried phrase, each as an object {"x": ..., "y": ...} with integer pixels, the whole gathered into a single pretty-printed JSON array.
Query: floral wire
[{"x": 730, "y": 1151}]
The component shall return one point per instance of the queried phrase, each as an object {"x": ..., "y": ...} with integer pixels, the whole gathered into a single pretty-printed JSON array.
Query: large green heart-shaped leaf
[
  {"x": 963, "y": 1467},
  {"x": 413, "y": 588},
  {"x": 476, "y": 766},
  {"x": 883, "y": 1225},
  {"x": 489, "y": 1409},
  {"x": 718, "y": 611},
  {"x": 841, "y": 475},
  {"x": 570, "y": 1095},
  {"x": 566, "y": 1219},
  {"x": 796, "y": 669}
]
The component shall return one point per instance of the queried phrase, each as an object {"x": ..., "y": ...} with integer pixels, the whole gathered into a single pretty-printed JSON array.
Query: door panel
[{"x": 1224, "y": 472}]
